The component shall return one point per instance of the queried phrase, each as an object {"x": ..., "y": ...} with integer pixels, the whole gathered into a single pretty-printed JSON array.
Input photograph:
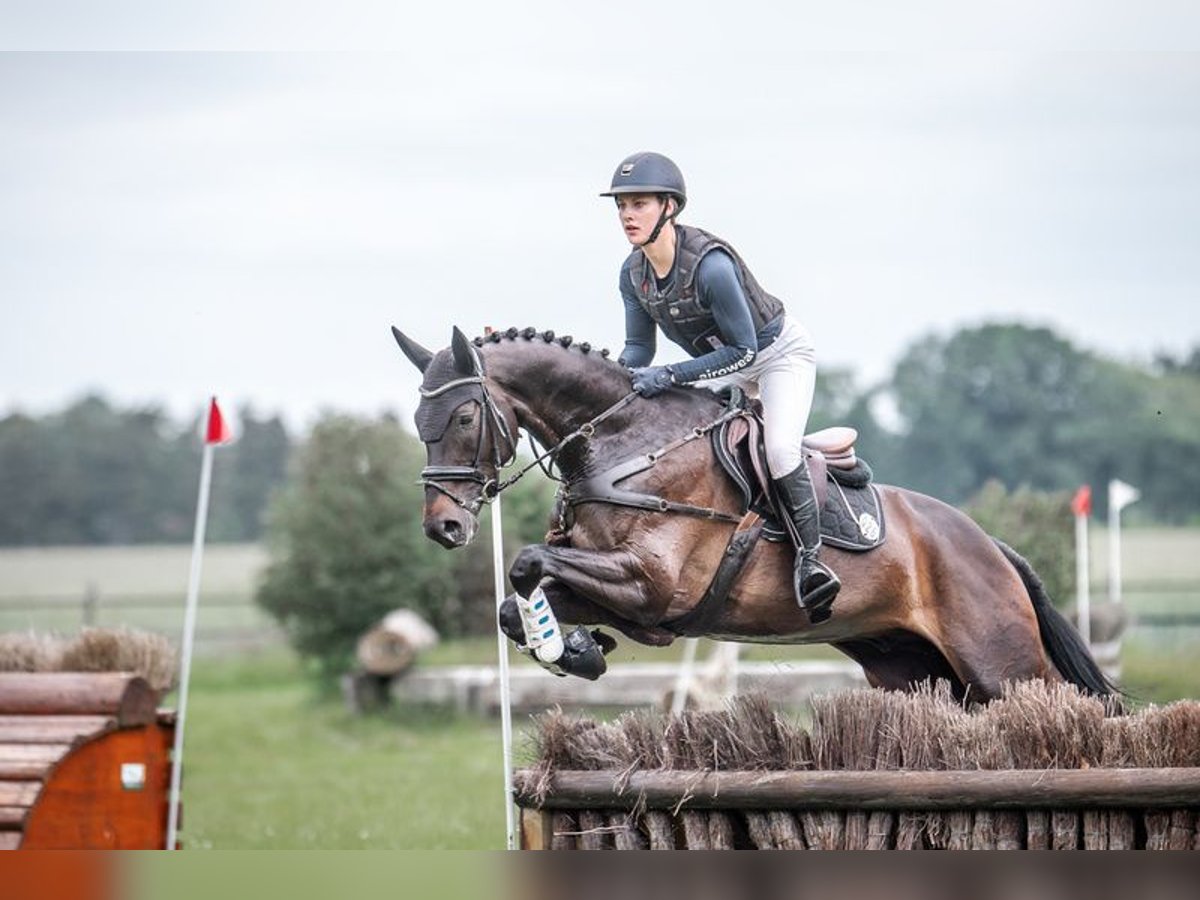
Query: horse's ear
[
  {"x": 465, "y": 359},
  {"x": 416, "y": 354}
]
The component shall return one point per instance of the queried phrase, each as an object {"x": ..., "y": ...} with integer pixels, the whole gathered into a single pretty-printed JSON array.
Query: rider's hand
[{"x": 652, "y": 380}]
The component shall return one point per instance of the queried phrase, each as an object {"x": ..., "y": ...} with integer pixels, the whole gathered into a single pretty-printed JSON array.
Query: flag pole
[
  {"x": 1120, "y": 495},
  {"x": 1081, "y": 506},
  {"x": 216, "y": 432},
  {"x": 510, "y": 830},
  {"x": 505, "y": 695}
]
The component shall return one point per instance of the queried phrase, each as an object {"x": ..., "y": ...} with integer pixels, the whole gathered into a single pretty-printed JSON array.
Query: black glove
[{"x": 652, "y": 380}]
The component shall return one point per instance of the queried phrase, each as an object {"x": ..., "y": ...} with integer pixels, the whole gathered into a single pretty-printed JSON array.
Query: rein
[
  {"x": 596, "y": 489},
  {"x": 490, "y": 488}
]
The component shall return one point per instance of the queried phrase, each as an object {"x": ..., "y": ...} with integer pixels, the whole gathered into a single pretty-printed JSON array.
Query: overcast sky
[{"x": 175, "y": 224}]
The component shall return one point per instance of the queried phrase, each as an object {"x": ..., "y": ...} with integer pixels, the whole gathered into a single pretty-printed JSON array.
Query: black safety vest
[{"x": 677, "y": 309}]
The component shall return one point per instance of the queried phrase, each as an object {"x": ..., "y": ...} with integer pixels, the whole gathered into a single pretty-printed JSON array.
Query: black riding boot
[{"x": 815, "y": 583}]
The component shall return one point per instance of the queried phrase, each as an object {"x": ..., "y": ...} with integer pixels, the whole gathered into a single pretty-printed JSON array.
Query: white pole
[
  {"x": 1114, "y": 552},
  {"x": 505, "y": 695},
  {"x": 1083, "y": 601},
  {"x": 189, "y": 635},
  {"x": 1120, "y": 495},
  {"x": 683, "y": 681}
]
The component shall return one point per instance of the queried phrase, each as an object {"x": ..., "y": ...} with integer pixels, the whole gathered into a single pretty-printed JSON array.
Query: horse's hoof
[
  {"x": 582, "y": 655},
  {"x": 509, "y": 619},
  {"x": 607, "y": 643}
]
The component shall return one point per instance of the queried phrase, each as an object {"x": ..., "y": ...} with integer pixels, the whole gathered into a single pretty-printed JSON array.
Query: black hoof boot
[
  {"x": 509, "y": 619},
  {"x": 583, "y": 656}
]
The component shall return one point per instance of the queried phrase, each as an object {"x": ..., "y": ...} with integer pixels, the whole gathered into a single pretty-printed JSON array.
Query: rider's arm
[
  {"x": 639, "y": 328},
  {"x": 718, "y": 288}
]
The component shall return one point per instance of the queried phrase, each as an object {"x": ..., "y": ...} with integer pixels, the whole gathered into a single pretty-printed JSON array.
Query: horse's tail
[{"x": 1066, "y": 648}]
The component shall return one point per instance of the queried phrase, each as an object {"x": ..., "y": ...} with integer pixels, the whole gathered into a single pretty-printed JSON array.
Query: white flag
[{"x": 1121, "y": 494}]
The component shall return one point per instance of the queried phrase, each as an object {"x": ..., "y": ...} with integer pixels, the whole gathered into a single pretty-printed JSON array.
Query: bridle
[
  {"x": 493, "y": 420},
  {"x": 493, "y": 425}
]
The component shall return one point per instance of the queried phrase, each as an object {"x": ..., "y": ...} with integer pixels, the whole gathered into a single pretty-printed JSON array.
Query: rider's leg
[
  {"x": 815, "y": 583},
  {"x": 786, "y": 380}
]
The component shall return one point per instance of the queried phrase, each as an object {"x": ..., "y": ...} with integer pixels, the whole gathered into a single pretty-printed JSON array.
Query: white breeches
[{"x": 783, "y": 377}]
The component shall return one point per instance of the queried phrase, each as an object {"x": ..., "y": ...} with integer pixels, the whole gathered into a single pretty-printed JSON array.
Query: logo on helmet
[{"x": 627, "y": 169}]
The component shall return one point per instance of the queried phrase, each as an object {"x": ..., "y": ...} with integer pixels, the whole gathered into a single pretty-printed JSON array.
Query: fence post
[{"x": 91, "y": 600}]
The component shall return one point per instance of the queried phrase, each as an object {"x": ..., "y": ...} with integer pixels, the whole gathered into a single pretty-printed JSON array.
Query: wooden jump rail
[
  {"x": 892, "y": 790},
  {"x": 570, "y": 806}
]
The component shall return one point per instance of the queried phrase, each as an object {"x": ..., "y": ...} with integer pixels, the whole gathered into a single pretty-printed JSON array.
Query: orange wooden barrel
[{"x": 84, "y": 762}]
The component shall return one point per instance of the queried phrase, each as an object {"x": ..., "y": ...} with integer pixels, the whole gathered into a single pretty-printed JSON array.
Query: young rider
[{"x": 696, "y": 288}]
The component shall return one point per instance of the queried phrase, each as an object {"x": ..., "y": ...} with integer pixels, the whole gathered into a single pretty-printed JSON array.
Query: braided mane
[{"x": 530, "y": 334}]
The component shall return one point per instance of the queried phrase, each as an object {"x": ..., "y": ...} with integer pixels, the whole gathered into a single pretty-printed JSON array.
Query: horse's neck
[{"x": 554, "y": 392}]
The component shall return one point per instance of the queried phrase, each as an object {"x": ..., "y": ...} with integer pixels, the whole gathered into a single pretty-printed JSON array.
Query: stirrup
[{"x": 818, "y": 602}]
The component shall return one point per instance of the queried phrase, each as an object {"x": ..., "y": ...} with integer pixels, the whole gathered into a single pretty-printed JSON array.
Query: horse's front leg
[
  {"x": 614, "y": 580},
  {"x": 579, "y": 586}
]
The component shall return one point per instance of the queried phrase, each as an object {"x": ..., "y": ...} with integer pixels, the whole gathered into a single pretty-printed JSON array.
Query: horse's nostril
[{"x": 451, "y": 528}]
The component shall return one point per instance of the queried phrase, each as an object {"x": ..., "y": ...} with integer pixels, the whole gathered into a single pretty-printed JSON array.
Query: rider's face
[{"x": 639, "y": 214}]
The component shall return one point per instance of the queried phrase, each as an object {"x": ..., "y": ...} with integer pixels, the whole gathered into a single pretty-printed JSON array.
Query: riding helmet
[{"x": 648, "y": 173}]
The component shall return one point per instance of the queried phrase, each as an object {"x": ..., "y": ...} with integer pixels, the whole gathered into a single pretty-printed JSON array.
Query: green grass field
[{"x": 271, "y": 764}]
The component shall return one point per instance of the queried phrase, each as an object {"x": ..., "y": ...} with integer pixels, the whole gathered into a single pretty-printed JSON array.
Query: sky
[{"x": 239, "y": 202}]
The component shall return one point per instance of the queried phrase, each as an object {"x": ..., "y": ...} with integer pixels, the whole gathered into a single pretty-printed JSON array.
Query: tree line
[
  {"x": 97, "y": 474},
  {"x": 1009, "y": 402}
]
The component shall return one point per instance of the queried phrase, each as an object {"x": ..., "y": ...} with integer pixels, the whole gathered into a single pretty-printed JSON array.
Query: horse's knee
[
  {"x": 509, "y": 618},
  {"x": 526, "y": 570}
]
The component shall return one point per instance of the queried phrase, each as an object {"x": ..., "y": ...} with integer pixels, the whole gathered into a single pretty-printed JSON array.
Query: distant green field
[{"x": 144, "y": 587}]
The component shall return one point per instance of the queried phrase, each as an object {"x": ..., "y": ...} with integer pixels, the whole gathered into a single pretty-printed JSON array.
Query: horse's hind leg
[
  {"x": 899, "y": 661},
  {"x": 993, "y": 639}
]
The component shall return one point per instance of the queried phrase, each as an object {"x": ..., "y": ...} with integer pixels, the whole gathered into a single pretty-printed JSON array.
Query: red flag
[
  {"x": 1081, "y": 503},
  {"x": 218, "y": 431}
]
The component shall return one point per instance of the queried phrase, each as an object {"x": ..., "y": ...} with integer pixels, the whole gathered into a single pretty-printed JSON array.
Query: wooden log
[
  {"x": 658, "y": 825},
  {"x": 390, "y": 648},
  {"x": 50, "y": 729},
  {"x": 894, "y": 790},
  {"x": 12, "y": 818},
  {"x": 626, "y": 835},
  {"x": 759, "y": 826},
  {"x": 383, "y": 653},
  {"x": 593, "y": 831},
  {"x": 20, "y": 762},
  {"x": 19, "y": 793},
  {"x": 562, "y": 830},
  {"x": 129, "y": 698},
  {"x": 535, "y": 830},
  {"x": 786, "y": 831}
]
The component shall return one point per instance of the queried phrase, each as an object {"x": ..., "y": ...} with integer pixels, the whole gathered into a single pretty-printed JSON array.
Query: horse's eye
[{"x": 465, "y": 419}]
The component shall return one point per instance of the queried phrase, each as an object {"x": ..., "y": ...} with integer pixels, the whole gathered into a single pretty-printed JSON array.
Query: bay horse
[{"x": 938, "y": 599}]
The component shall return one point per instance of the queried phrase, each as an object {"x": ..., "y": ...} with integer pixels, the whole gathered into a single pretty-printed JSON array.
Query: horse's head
[{"x": 468, "y": 437}]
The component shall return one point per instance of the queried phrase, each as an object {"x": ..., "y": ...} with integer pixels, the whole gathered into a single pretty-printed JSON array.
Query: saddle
[{"x": 851, "y": 512}]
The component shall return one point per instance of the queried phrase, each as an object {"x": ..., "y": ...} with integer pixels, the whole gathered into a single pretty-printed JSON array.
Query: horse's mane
[{"x": 547, "y": 337}]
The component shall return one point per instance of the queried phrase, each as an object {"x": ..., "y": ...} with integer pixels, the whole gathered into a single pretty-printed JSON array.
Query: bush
[
  {"x": 1036, "y": 524},
  {"x": 345, "y": 541}
]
